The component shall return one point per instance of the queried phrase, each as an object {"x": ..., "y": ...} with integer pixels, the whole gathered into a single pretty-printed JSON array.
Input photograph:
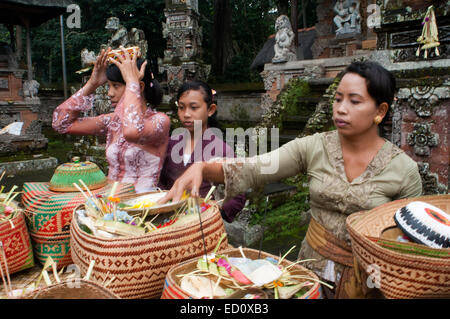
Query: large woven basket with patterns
[
  {"x": 406, "y": 270},
  {"x": 140, "y": 263},
  {"x": 49, "y": 215},
  {"x": 172, "y": 289},
  {"x": 68, "y": 173},
  {"x": 17, "y": 245},
  {"x": 72, "y": 289}
]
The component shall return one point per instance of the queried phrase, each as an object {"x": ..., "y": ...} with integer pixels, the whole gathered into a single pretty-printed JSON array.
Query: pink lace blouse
[{"x": 137, "y": 136}]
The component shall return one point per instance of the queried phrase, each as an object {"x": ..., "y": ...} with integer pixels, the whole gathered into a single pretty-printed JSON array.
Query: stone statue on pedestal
[
  {"x": 347, "y": 18},
  {"x": 30, "y": 89},
  {"x": 284, "y": 41}
]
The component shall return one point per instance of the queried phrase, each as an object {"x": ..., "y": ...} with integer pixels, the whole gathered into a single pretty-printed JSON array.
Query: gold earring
[{"x": 377, "y": 120}]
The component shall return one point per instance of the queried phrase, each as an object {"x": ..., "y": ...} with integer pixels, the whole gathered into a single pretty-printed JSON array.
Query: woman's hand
[
  {"x": 128, "y": 67},
  {"x": 191, "y": 180},
  {"x": 98, "y": 76}
]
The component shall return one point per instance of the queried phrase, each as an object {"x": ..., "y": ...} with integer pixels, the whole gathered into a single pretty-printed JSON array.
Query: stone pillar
[{"x": 183, "y": 56}]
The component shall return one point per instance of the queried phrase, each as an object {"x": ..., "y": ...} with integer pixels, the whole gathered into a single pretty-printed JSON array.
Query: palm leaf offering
[
  {"x": 220, "y": 275},
  {"x": 110, "y": 216},
  {"x": 429, "y": 38}
]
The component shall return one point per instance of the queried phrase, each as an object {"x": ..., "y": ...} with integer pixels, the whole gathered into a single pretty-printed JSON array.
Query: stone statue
[
  {"x": 119, "y": 33},
  {"x": 284, "y": 41},
  {"x": 30, "y": 89},
  {"x": 347, "y": 18},
  {"x": 121, "y": 36},
  {"x": 137, "y": 38},
  {"x": 87, "y": 57}
]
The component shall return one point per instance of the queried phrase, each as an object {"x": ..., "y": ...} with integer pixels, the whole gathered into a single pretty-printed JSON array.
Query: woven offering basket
[
  {"x": 140, "y": 263},
  {"x": 172, "y": 289},
  {"x": 72, "y": 289},
  {"x": 49, "y": 215},
  {"x": 407, "y": 270},
  {"x": 17, "y": 244}
]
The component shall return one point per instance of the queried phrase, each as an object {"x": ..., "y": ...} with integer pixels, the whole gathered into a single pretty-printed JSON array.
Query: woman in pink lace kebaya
[{"x": 137, "y": 135}]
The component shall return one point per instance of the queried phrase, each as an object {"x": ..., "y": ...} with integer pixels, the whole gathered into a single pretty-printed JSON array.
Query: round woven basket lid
[
  {"x": 424, "y": 224},
  {"x": 67, "y": 174}
]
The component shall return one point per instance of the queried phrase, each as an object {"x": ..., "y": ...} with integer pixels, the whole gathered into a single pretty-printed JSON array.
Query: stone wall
[
  {"x": 239, "y": 106},
  {"x": 13, "y": 168}
]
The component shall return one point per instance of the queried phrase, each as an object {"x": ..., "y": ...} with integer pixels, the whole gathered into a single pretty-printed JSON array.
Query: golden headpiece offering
[{"x": 131, "y": 51}]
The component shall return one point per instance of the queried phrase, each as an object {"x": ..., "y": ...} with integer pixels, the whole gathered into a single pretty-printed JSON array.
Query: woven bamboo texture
[
  {"x": 140, "y": 263},
  {"x": 49, "y": 215},
  {"x": 72, "y": 289},
  {"x": 17, "y": 244},
  {"x": 402, "y": 275},
  {"x": 172, "y": 289},
  {"x": 67, "y": 174}
]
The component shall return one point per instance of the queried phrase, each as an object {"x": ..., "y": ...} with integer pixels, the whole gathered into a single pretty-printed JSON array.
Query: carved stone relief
[
  {"x": 422, "y": 139},
  {"x": 430, "y": 181}
]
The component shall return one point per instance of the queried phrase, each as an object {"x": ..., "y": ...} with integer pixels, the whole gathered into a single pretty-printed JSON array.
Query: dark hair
[
  {"x": 152, "y": 91},
  {"x": 380, "y": 82},
  {"x": 208, "y": 97}
]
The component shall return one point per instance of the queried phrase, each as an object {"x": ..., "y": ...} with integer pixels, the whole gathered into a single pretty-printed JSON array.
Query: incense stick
[
  {"x": 113, "y": 189},
  {"x": 91, "y": 267},
  {"x": 93, "y": 198},
  {"x": 4, "y": 281},
  {"x": 55, "y": 273},
  {"x": 6, "y": 265},
  {"x": 81, "y": 191}
]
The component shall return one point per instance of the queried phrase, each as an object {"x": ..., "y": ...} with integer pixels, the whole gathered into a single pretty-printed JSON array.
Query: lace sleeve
[
  {"x": 66, "y": 116},
  {"x": 140, "y": 127},
  {"x": 251, "y": 174}
]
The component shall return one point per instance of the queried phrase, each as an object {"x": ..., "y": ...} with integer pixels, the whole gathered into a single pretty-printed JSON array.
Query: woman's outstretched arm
[{"x": 66, "y": 116}]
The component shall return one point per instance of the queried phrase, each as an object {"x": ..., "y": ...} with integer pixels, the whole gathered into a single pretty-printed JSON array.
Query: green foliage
[
  {"x": 291, "y": 99},
  {"x": 282, "y": 222},
  {"x": 289, "y": 102}
]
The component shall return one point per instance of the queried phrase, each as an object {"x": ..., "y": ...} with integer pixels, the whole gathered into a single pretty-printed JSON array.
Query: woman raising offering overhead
[
  {"x": 137, "y": 136},
  {"x": 349, "y": 170},
  {"x": 196, "y": 141}
]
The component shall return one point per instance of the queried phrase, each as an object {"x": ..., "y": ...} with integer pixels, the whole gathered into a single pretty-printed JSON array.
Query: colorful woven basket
[
  {"x": 49, "y": 215},
  {"x": 407, "y": 270},
  {"x": 67, "y": 174},
  {"x": 172, "y": 289},
  {"x": 72, "y": 289},
  {"x": 17, "y": 245},
  {"x": 140, "y": 263}
]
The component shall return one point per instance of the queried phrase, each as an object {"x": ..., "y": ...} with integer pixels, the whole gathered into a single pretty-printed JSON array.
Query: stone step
[{"x": 361, "y": 51}]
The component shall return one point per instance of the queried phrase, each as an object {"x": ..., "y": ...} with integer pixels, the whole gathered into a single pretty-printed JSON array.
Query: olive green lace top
[{"x": 390, "y": 175}]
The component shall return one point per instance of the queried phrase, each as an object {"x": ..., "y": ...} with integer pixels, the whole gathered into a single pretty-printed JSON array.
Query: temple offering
[
  {"x": 131, "y": 51},
  {"x": 16, "y": 252},
  {"x": 139, "y": 247},
  {"x": 241, "y": 273}
]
